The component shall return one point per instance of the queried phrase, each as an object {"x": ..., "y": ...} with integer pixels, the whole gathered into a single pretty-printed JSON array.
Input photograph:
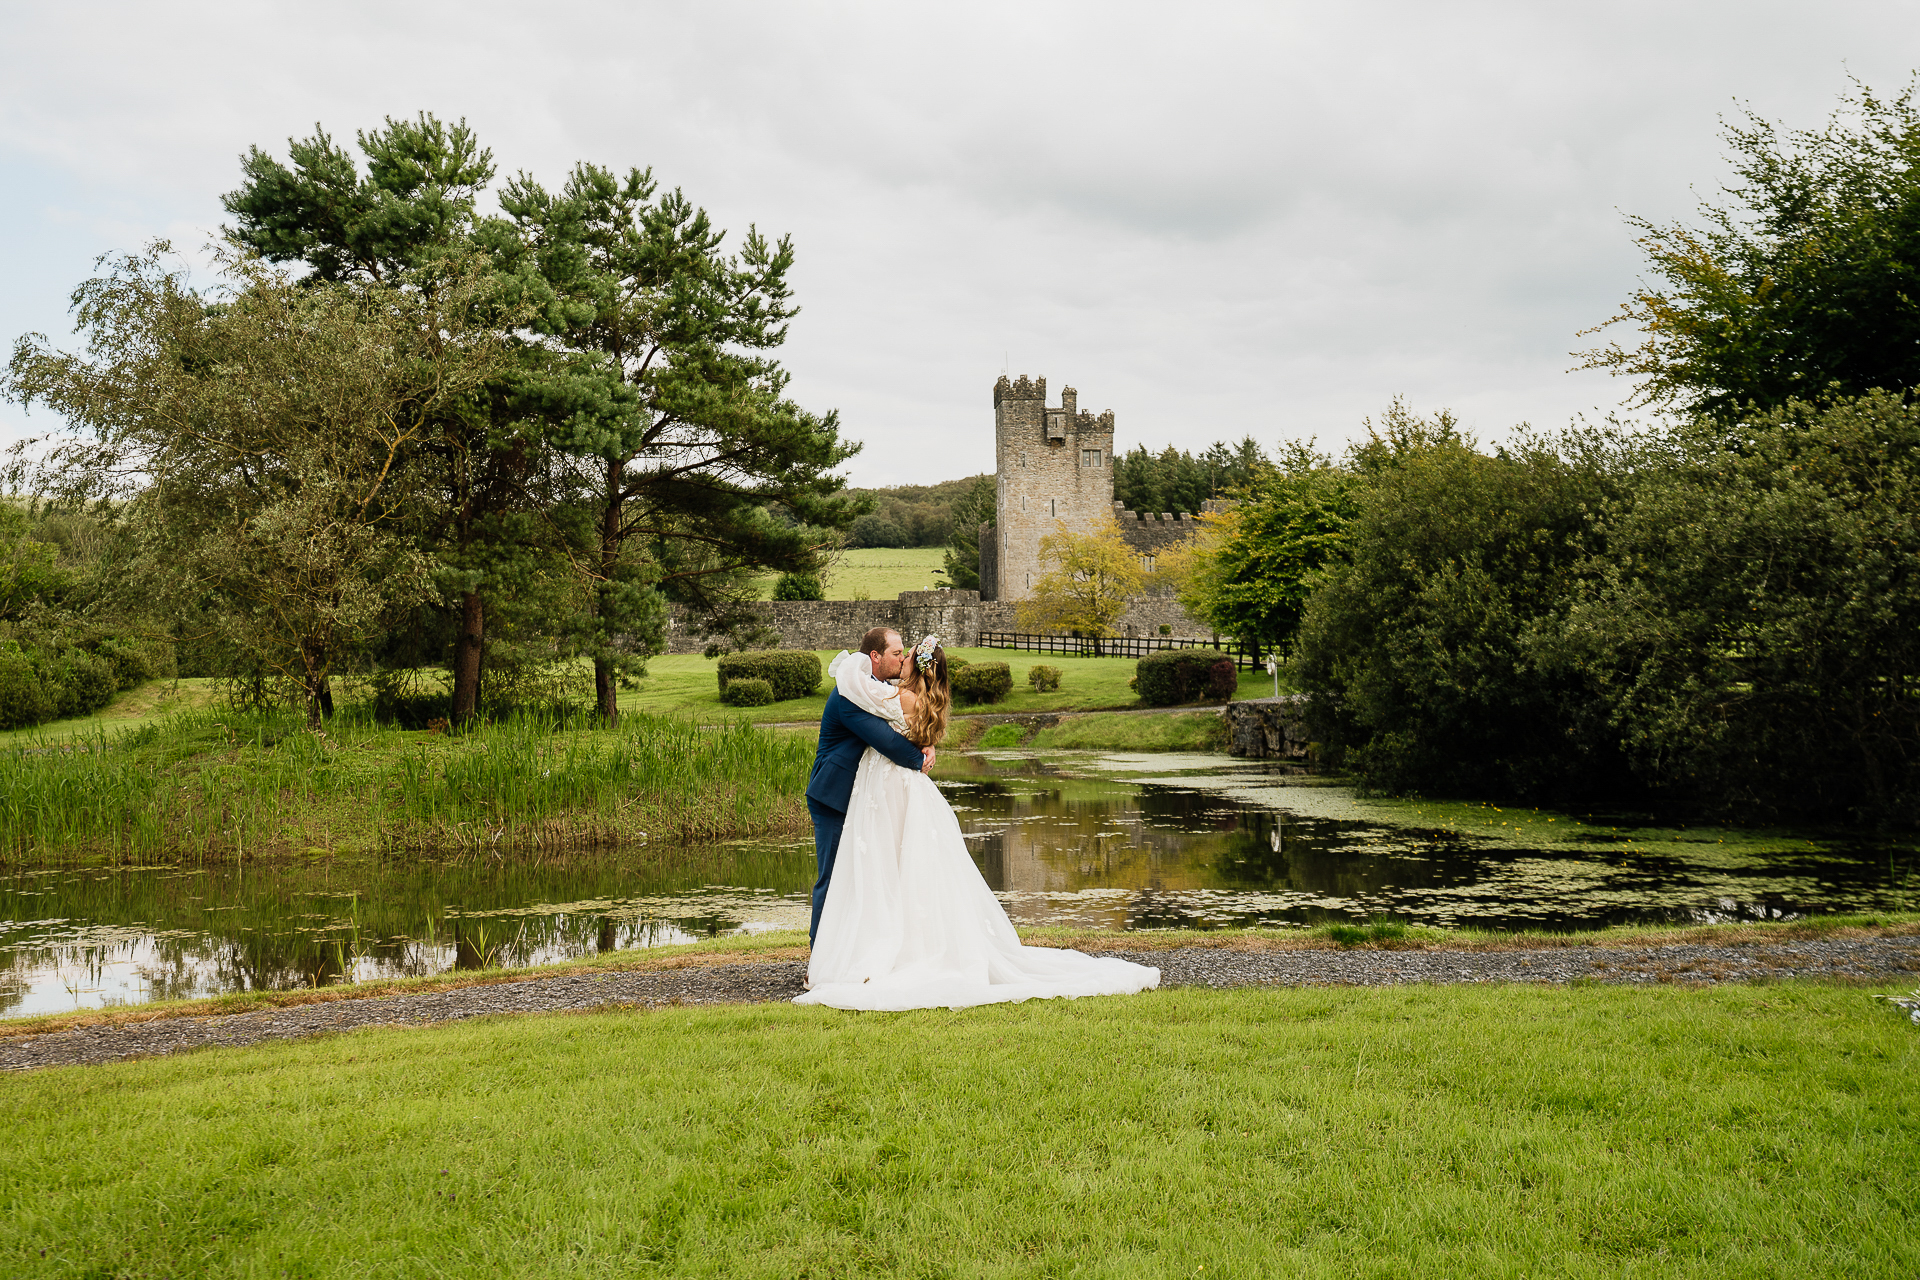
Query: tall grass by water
[{"x": 214, "y": 784}]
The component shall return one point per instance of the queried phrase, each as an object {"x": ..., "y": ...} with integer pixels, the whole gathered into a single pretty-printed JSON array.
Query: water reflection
[{"x": 1113, "y": 841}]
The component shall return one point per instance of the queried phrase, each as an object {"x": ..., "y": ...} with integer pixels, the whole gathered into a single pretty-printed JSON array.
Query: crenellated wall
[{"x": 957, "y": 617}]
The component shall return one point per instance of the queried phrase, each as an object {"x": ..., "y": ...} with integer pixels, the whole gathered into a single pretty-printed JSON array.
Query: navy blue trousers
[{"x": 827, "y": 824}]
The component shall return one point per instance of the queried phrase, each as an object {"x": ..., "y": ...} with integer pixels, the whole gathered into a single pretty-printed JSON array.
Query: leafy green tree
[
  {"x": 798, "y": 586},
  {"x": 1093, "y": 578},
  {"x": 29, "y": 568},
  {"x": 1805, "y": 283},
  {"x": 1175, "y": 480},
  {"x": 664, "y": 389},
  {"x": 1250, "y": 570},
  {"x": 974, "y": 508},
  {"x": 1754, "y": 627},
  {"x": 1425, "y": 644},
  {"x": 413, "y": 206},
  {"x": 268, "y": 446}
]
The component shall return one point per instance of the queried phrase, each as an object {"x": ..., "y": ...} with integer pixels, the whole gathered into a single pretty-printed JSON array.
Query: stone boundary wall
[
  {"x": 1268, "y": 728},
  {"x": 959, "y": 617}
]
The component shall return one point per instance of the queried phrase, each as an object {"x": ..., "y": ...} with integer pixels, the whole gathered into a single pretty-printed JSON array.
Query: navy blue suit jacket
[{"x": 845, "y": 734}]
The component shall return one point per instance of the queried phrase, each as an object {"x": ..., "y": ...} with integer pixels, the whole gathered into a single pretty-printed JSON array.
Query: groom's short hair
[{"x": 875, "y": 641}]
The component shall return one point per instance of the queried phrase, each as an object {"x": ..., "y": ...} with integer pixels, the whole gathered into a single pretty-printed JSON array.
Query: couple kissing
[{"x": 902, "y": 919}]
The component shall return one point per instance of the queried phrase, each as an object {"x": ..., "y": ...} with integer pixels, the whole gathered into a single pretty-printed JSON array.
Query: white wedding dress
[{"x": 909, "y": 923}]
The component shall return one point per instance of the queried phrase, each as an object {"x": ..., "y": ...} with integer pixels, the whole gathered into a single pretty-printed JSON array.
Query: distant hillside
[{"x": 911, "y": 515}]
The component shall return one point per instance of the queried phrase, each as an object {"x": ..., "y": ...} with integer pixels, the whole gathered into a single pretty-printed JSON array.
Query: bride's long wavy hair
[{"x": 927, "y": 722}]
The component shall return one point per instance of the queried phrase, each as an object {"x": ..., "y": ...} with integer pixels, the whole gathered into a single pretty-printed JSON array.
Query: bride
[{"x": 909, "y": 923}]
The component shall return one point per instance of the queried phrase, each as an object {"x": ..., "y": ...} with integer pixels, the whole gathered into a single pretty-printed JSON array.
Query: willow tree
[
  {"x": 270, "y": 442},
  {"x": 664, "y": 389}
]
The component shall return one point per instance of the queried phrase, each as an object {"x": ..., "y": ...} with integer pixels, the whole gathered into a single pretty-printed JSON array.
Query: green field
[
  {"x": 687, "y": 684},
  {"x": 876, "y": 573},
  {"x": 1423, "y": 1131}
]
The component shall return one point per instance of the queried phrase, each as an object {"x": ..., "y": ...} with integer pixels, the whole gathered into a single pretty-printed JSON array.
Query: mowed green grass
[
  {"x": 687, "y": 684},
  {"x": 877, "y": 573},
  {"x": 1490, "y": 1131},
  {"x": 151, "y": 703}
]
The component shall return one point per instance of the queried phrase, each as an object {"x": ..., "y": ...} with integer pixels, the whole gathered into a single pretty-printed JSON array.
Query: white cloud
[{"x": 1216, "y": 220}]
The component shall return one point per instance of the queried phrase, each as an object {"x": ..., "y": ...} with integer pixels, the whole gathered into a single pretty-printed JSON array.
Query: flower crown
[{"x": 923, "y": 652}]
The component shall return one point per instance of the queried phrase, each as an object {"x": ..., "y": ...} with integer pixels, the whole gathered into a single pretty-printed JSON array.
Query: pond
[{"x": 1078, "y": 839}]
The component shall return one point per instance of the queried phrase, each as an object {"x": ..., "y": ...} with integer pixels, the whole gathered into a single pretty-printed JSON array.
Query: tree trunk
[
  {"x": 466, "y": 658},
  {"x": 604, "y": 690},
  {"x": 610, "y": 536}
]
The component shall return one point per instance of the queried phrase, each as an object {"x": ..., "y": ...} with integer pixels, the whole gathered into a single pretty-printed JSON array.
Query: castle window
[
  {"x": 1090, "y": 457},
  {"x": 1053, "y": 507},
  {"x": 1023, "y": 502},
  {"x": 1146, "y": 562}
]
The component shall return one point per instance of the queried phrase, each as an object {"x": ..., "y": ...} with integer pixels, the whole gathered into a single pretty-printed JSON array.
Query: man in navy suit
[{"x": 845, "y": 734}]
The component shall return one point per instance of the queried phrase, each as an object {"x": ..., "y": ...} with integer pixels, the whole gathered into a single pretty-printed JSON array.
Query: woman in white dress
[{"x": 909, "y": 923}]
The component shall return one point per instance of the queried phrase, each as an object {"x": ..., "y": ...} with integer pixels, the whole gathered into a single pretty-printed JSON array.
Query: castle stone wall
[{"x": 957, "y": 617}]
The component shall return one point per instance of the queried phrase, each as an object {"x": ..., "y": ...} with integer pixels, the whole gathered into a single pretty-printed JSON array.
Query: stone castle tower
[{"x": 1052, "y": 464}]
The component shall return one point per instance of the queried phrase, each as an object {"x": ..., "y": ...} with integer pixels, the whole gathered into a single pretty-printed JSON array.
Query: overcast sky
[{"x": 1213, "y": 219}]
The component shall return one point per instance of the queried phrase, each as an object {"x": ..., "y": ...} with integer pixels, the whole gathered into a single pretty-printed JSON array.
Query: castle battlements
[{"x": 1020, "y": 390}]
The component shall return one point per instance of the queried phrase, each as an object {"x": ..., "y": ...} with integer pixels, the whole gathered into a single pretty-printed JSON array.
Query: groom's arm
[{"x": 885, "y": 739}]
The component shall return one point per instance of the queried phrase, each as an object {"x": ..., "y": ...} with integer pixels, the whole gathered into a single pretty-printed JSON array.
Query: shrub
[
  {"x": 137, "y": 661},
  {"x": 1179, "y": 675},
  {"x": 746, "y": 691},
  {"x": 1043, "y": 679},
  {"x": 24, "y": 698},
  {"x": 85, "y": 683},
  {"x": 792, "y": 673},
  {"x": 954, "y": 665},
  {"x": 1223, "y": 680},
  {"x": 981, "y": 682},
  {"x": 799, "y": 586}
]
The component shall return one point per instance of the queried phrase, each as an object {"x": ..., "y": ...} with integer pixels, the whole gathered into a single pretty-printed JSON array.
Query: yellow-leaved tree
[{"x": 1090, "y": 579}]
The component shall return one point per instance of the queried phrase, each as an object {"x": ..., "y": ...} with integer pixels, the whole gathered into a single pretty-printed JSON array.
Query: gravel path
[{"x": 1870, "y": 958}]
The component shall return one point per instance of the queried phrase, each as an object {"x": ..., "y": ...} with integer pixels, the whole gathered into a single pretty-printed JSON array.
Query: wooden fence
[{"x": 1119, "y": 646}]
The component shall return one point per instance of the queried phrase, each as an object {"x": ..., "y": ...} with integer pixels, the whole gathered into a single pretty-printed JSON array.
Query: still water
[{"x": 1074, "y": 838}]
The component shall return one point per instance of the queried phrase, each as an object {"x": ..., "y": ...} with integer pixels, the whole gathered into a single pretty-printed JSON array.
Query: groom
[{"x": 845, "y": 734}]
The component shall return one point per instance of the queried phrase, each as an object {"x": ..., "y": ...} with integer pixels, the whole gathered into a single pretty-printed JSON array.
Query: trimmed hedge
[
  {"x": 981, "y": 682},
  {"x": 746, "y": 692},
  {"x": 1043, "y": 679},
  {"x": 791, "y": 673},
  {"x": 954, "y": 666},
  {"x": 1185, "y": 675}
]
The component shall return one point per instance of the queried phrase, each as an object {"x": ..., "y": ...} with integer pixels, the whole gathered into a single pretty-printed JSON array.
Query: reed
[{"x": 208, "y": 784}]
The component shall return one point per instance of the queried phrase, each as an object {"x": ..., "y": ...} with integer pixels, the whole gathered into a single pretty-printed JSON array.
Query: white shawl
[{"x": 853, "y": 675}]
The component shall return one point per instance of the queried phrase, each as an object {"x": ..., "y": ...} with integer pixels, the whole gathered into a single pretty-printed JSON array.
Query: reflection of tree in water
[{"x": 274, "y": 927}]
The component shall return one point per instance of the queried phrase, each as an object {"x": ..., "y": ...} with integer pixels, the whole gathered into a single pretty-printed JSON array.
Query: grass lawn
[
  {"x": 876, "y": 573},
  {"x": 151, "y": 703},
  {"x": 686, "y": 684},
  {"x": 1475, "y": 1131}
]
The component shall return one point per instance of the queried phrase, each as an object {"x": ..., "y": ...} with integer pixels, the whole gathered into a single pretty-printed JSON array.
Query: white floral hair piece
[{"x": 923, "y": 652}]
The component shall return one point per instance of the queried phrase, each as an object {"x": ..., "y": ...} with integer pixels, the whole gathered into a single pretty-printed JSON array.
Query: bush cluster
[
  {"x": 789, "y": 673},
  {"x": 980, "y": 682},
  {"x": 1185, "y": 675},
  {"x": 1044, "y": 679},
  {"x": 65, "y": 673},
  {"x": 1725, "y": 616},
  {"x": 747, "y": 691}
]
